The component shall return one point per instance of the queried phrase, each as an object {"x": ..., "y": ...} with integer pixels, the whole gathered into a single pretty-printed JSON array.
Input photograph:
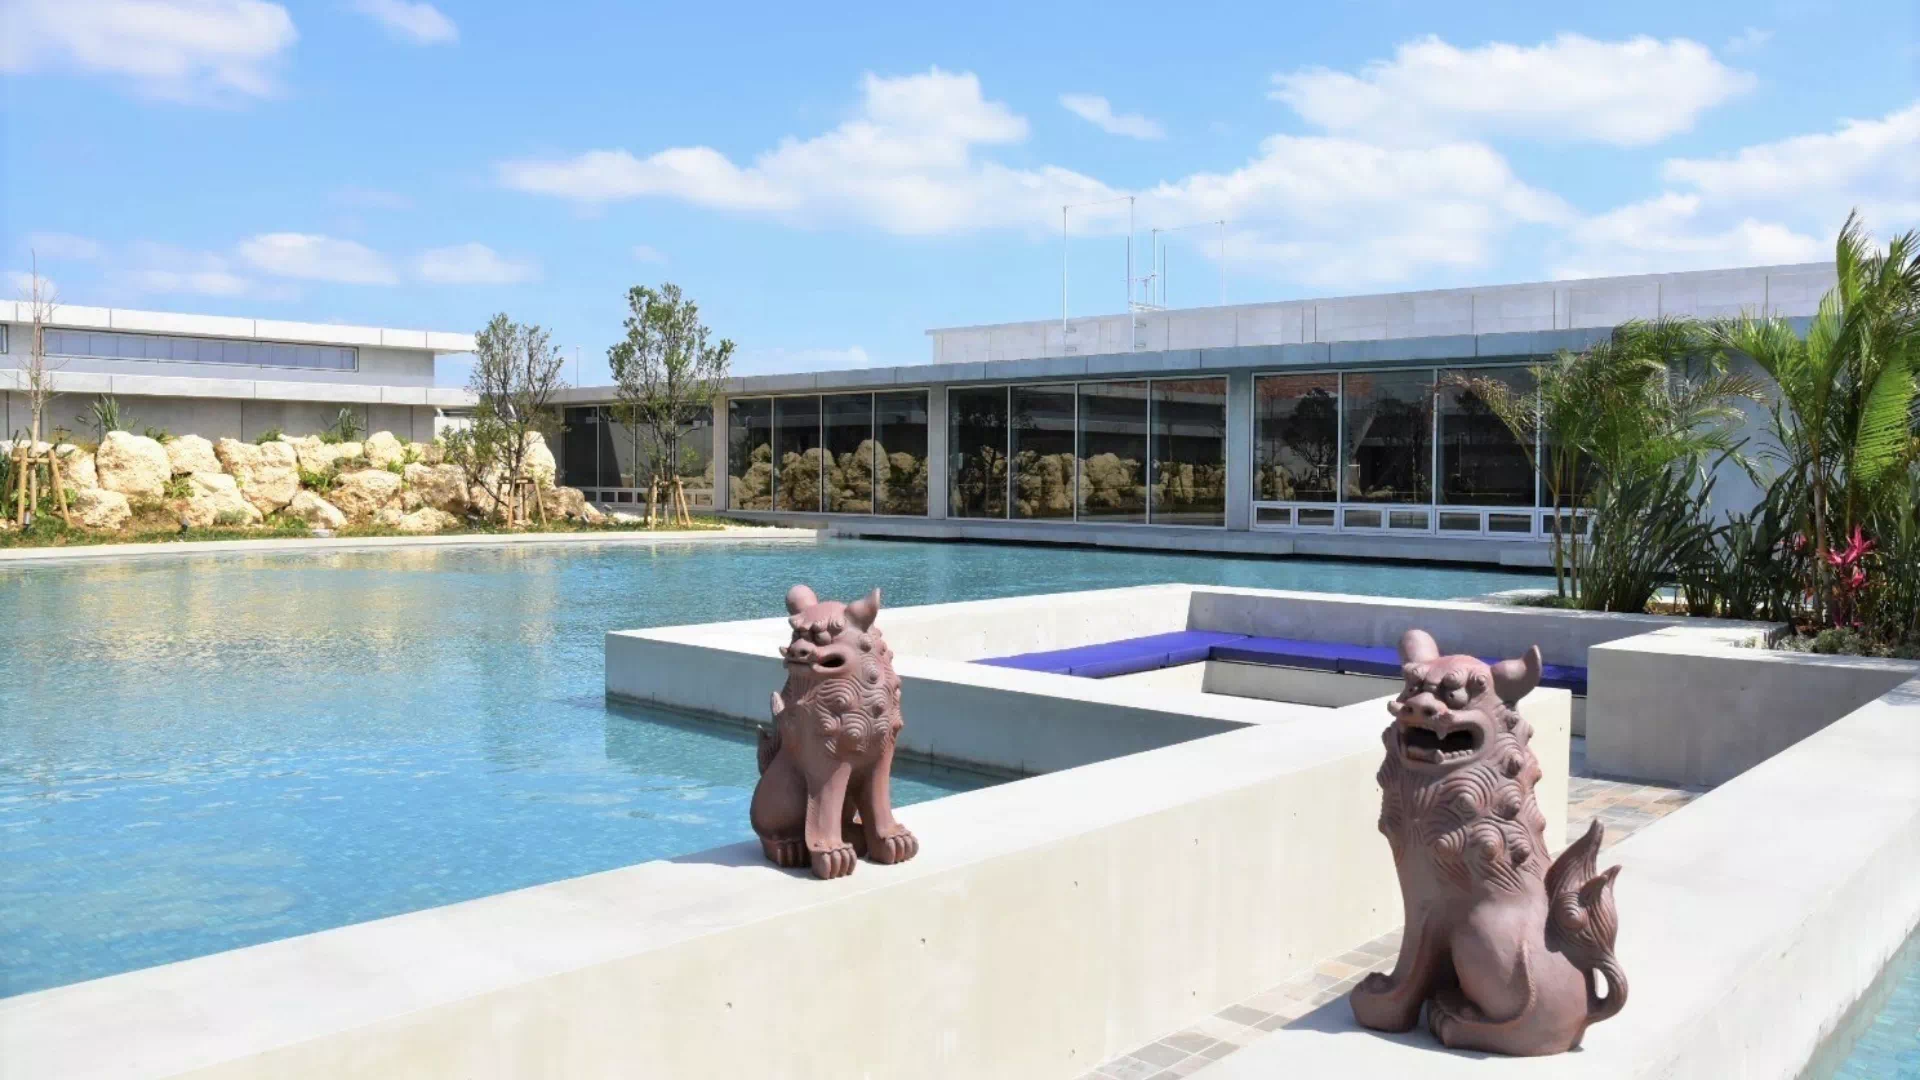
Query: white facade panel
[
  {"x": 166, "y": 322},
  {"x": 1270, "y": 324},
  {"x": 1364, "y": 318},
  {"x": 1713, "y": 296},
  {"x": 1442, "y": 314},
  {"x": 1516, "y": 310},
  {"x": 1798, "y": 291},
  {"x": 1610, "y": 303},
  {"x": 1215, "y": 328}
]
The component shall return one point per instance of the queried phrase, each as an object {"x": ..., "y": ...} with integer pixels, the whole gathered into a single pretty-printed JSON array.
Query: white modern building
[
  {"x": 222, "y": 377},
  {"x": 1331, "y": 426}
]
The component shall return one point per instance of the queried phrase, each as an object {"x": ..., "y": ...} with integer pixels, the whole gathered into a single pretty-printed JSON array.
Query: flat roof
[{"x": 79, "y": 316}]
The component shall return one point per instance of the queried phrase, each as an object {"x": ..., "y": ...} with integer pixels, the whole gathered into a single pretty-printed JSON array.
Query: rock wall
[{"x": 383, "y": 481}]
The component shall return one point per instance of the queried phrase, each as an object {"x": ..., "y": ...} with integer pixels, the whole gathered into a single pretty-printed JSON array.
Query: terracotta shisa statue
[
  {"x": 826, "y": 763},
  {"x": 1506, "y": 952}
]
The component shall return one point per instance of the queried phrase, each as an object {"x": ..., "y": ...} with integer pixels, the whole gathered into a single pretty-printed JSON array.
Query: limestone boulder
[
  {"x": 443, "y": 487},
  {"x": 76, "y": 467},
  {"x": 382, "y": 449},
  {"x": 430, "y": 453},
  {"x": 539, "y": 460},
  {"x": 569, "y": 504},
  {"x": 191, "y": 454},
  {"x": 132, "y": 465},
  {"x": 619, "y": 517},
  {"x": 268, "y": 474},
  {"x": 315, "y": 511},
  {"x": 100, "y": 509},
  {"x": 363, "y": 493},
  {"x": 215, "y": 499},
  {"x": 388, "y": 517},
  {"x": 427, "y": 520},
  {"x": 318, "y": 457}
]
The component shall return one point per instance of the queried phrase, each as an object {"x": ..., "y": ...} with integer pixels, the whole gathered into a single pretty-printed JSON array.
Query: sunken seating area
[{"x": 1131, "y": 656}]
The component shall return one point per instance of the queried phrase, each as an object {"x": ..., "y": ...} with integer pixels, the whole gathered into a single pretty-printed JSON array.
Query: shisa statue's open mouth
[{"x": 1419, "y": 742}]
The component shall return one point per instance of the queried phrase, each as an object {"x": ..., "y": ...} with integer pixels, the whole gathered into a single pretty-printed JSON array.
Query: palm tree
[
  {"x": 1842, "y": 421},
  {"x": 1651, "y": 399}
]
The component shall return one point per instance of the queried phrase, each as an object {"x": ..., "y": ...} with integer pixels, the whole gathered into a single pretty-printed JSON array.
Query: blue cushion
[
  {"x": 1286, "y": 652},
  {"x": 1124, "y": 657}
]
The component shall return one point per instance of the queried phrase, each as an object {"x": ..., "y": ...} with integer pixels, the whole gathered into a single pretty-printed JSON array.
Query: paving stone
[{"x": 1160, "y": 1054}]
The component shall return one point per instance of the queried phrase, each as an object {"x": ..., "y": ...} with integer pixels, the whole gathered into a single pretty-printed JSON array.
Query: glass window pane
[
  {"x": 1389, "y": 436},
  {"x": 1481, "y": 463},
  {"x": 693, "y": 458},
  {"x": 1189, "y": 452},
  {"x": 1409, "y": 519},
  {"x": 102, "y": 345},
  {"x": 1113, "y": 451},
  {"x": 849, "y": 420},
  {"x": 1459, "y": 522},
  {"x": 749, "y": 454},
  {"x": 977, "y": 452},
  {"x": 1510, "y": 523},
  {"x": 258, "y": 352},
  {"x": 901, "y": 476},
  {"x": 1361, "y": 519},
  {"x": 1315, "y": 515},
  {"x": 1296, "y": 433},
  {"x": 577, "y": 444},
  {"x": 1273, "y": 515},
  {"x": 796, "y": 453},
  {"x": 1043, "y": 451}
]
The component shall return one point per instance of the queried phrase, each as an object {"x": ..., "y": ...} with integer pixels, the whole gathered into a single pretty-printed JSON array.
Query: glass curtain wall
[
  {"x": 1297, "y": 437},
  {"x": 579, "y": 447},
  {"x": 820, "y": 452},
  {"x": 1189, "y": 484},
  {"x": 1481, "y": 463},
  {"x": 797, "y": 452},
  {"x": 1113, "y": 452},
  {"x": 750, "y": 454},
  {"x": 1388, "y": 436},
  {"x": 849, "y": 453},
  {"x": 1042, "y": 451},
  {"x": 900, "y": 470},
  {"x": 977, "y": 452}
]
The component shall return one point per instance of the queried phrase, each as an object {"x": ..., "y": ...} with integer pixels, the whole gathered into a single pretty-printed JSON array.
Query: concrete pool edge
[
  {"x": 281, "y": 545},
  {"x": 1129, "y": 891}
]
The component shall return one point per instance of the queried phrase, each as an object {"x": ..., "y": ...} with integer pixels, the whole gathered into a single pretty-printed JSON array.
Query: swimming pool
[{"x": 202, "y": 753}]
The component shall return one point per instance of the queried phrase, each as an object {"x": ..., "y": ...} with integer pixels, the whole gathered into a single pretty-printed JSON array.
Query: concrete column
[
  {"x": 1239, "y": 450},
  {"x": 937, "y": 456},
  {"x": 721, "y": 488}
]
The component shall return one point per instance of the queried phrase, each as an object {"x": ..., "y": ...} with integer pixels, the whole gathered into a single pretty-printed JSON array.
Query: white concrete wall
[
  {"x": 1678, "y": 708},
  {"x": 219, "y": 418},
  {"x": 1046, "y": 925},
  {"x": 1793, "y": 290},
  {"x": 1750, "y": 923}
]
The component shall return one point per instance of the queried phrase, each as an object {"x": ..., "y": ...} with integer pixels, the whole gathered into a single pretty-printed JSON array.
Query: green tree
[
  {"x": 515, "y": 376},
  {"x": 666, "y": 372},
  {"x": 1842, "y": 421},
  {"x": 1629, "y": 425}
]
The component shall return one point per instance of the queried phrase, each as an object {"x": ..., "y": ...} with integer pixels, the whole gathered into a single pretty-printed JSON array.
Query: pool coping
[{"x": 365, "y": 543}]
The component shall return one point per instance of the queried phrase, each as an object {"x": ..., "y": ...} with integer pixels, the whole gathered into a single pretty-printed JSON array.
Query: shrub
[
  {"x": 321, "y": 482},
  {"x": 179, "y": 487},
  {"x": 346, "y": 427},
  {"x": 272, "y": 434},
  {"x": 397, "y": 468},
  {"x": 230, "y": 518},
  {"x": 159, "y": 434}
]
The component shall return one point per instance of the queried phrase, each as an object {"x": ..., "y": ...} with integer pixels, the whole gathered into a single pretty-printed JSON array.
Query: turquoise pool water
[
  {"x": 199, "y": 754},
  {"x": 1885, "y": 1045}
]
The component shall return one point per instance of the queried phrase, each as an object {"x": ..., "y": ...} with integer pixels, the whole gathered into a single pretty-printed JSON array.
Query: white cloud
[
  {"x": 778, "y": 361},
  {"x": 906, "y": 163},
  {"x": 1748, "y": 40},
  {"x": 185, "y": 50},
  {"x": 317, "y": 258},
  {"x": 1097, "y": 111},
  {"x": 53, "y": 245},
  {"x": 1674, "y": 232},
  {"x": 1776, "y": 202},
  {"x": 419, "y": 23},
  {"x": 1625, "y": 93},
  {"x": 1327, "y": 210},
  {"x": 164, "y": 269},
  {"x": 1864, "y": 161},
  {"x": 21, "y": 282},
  {"x": 647, "y": 253},
  {"x": 1332, "y": 211},
  {"x": 472, "y": 264}
]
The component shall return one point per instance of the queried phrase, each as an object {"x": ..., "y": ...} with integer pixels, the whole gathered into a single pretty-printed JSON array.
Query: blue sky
[{"x": 830, "y": 181}]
